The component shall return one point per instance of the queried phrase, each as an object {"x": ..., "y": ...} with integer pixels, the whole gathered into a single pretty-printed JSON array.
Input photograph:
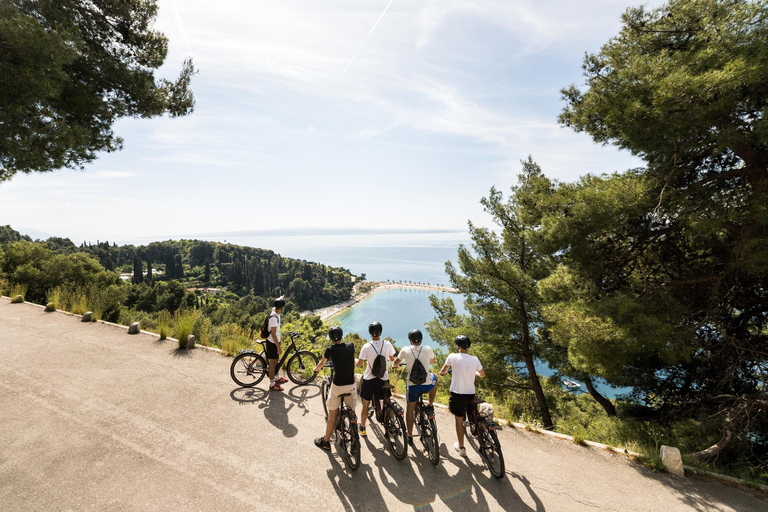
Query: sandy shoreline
[{"x": 326, "y": 314}]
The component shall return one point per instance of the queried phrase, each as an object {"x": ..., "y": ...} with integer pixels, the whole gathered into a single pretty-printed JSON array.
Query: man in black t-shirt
[{"x": 342, "y": 355}]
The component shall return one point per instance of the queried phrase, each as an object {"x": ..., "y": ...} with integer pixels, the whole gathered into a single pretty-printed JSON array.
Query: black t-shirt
[{"x": 343, "y": 358}]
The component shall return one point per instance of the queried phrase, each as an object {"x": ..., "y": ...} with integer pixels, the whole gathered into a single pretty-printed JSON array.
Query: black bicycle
[
  {"x": 426, "y": 426},
  {"x": 484, "y": 430},
  {"x": 346, "y": 423},
  {"x": 390, "y": 415},
  {"x": 249, "y": 367}
]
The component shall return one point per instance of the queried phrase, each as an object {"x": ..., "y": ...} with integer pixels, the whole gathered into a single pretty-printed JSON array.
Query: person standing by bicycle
[
  {"x": 464, "y": 369},
  {"x": 369, "y": 354},
  {"x": 272, "y": 346},
  {"x": 428, "y": 384},
  {"x": 342, "y": 355}
]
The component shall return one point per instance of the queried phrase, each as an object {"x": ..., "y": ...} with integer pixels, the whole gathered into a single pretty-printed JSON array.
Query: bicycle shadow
[
  {"x": 356, "y": 490},
  {"x": 400, "y": 476}
]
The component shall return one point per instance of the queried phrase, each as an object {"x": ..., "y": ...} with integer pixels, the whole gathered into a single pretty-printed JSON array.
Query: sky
[{"x": 375, "y": 114}]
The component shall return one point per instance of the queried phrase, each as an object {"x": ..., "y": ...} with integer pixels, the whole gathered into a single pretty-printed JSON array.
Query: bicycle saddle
[
  {"x": 387, "y": 386},
  {"x": 478, "y": 401}
]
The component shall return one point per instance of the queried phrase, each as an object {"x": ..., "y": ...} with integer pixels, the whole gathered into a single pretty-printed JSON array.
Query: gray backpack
[{"x": 418, "y": 372}]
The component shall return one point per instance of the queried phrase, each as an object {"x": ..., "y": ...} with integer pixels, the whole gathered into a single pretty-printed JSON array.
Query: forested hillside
[{"x": 223, "y": 283}]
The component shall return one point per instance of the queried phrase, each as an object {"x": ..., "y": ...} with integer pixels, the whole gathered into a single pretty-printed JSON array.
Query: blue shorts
[{"x": 414, "y": 391}]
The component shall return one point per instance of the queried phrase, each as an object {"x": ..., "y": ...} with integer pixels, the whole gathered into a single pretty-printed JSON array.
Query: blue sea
[{"x": 414, "y": 257}]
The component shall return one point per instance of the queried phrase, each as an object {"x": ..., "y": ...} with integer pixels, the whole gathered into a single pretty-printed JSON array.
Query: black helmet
[
  {"x": 335, "y": 333},
  {"x": 462, "y": 341},
  {"x": 279, "y": 303},
  {"x": 375, "y": 329},
  {"x": 415, "y": 336}
]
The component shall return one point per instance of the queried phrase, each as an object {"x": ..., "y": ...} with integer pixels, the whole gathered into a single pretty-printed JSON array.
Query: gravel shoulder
[{"x": 93, "y": 418}]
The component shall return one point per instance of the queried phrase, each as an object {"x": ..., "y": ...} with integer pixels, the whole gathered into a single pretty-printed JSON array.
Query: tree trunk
[
  {"x": 546, "y": 418},
  {"x": 716, "y": 449},
  {"x": 604, "y": 402}
]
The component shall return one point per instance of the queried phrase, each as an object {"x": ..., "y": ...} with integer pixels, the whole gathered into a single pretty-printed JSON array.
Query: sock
[{"x": 272, "y": 383}]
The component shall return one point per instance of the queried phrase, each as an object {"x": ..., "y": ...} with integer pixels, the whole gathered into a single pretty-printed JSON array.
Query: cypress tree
[{"x": 138, "y": 271}]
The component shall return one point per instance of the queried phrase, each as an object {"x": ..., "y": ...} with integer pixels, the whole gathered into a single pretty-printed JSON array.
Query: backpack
[
  {"x": 265, "y": 330},
  {"x": 418, "y": 372},
  {"x": 379, "y": 367}
]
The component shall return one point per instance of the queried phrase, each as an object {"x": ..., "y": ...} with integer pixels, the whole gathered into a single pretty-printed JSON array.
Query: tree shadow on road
[{"x": 707, "y": 494}]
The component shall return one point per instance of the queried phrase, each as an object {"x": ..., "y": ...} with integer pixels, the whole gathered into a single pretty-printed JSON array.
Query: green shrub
[
  {"x": 183, "y": 325},
  {"x": 54, "y": 297},
  {"x": 18, "y": 292},
  {"x": 234, "y": 339},
  {"x": 163, "y": 323}
]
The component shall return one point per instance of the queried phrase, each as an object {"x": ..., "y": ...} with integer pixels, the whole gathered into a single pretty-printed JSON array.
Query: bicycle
[
  {"x": 249, "y": 367},
  {"x": 390, "y": 415},
  {"x": 484, "y": 430},
  {"x": 346, "y": 423},
  {"x": 426, "y": 426}
]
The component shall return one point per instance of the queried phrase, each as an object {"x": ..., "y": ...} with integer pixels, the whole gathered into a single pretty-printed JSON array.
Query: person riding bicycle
[
  {"x": 426, "y": 357},
  {"x": 368, "y": 355},
  {"x": 272, "y": 345},
  {"x": 342, "y": 355},
  {"x": 465, "y": 368}
]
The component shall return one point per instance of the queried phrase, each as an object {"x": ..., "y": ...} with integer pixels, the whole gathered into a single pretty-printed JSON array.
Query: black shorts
[
  {"x": 271, "y": 350},
  {"x": 366, "y": 391},
  {"x": 460, "y": 404}
]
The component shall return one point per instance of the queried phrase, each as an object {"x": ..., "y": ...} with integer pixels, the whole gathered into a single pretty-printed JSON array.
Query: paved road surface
[{"x": 92, "y": 418}]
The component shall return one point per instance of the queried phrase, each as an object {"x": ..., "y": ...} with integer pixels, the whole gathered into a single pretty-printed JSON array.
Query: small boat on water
[{"x": 571, "y": 384}]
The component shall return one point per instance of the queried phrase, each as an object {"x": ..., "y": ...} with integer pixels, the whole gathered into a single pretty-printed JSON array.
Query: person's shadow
[{"x": 276, "y": 413}]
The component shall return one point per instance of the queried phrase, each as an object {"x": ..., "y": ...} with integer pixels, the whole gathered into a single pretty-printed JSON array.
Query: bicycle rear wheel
[
  {"x": 395, "y": 432},
  {"x": 349, "y": 440},
  {"x": 429, "y": 439},
  {"x": 248, "y": 369},
  {"x": 490, "y": 449},
  {"x": 301, "y": 367},
  {"x": 325, "y": 388}
]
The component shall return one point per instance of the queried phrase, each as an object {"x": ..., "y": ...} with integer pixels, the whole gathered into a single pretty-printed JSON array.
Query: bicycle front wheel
[
  {"x": 491, "y": 451},
  {"x": 350, "y": 440},
  {"x": 325, "y": 388},
  {"x": 301, "y": 367},
  {"x": 429, "y": 438},
  {"x": 248, "y": 369},
  {"x": 395, "y": 432}
]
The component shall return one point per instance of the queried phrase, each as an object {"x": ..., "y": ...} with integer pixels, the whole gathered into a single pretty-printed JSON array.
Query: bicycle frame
[{"x": 286, "y": 352}]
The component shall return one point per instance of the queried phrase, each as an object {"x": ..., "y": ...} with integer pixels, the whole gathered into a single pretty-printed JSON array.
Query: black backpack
[
  {"x": 265, "y": 331},
  {"x": 418, "y": 372},
  {"x": 379, "y": 367}
]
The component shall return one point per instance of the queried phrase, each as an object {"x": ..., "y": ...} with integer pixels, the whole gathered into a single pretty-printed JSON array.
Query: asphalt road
[{"x": 92, "y": 418}]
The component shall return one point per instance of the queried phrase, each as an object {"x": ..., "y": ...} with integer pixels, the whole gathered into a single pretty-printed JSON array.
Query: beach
[{"x": 328, "y": 313}]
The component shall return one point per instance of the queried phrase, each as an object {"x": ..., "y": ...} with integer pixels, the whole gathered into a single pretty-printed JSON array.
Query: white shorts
[{"x": 334, "y": 402}]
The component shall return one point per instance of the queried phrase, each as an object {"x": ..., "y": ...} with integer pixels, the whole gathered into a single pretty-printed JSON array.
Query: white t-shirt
[
  {"x": 425, "y": 355},
  {"x": 274, "y": 321},
  {"x": 463, "y": 368},
  {"x": 369, "y": 352}
]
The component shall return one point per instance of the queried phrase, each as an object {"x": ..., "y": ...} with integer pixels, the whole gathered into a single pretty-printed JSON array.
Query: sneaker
[
  {"x": 363, "y": 432},
  {"x": 320, "y": 442},
  {"x": 462, "y": 451},
  {"x": 281, "y": 380},
  {"x": 276, "y": 387}
]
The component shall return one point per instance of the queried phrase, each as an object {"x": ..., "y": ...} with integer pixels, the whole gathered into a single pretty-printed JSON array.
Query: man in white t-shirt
[
  {"x": 368, "y": 355},
  {"x": 426, "y": 357},
  {"x": 272, "y": 346},
  {"x": 464, "y": 369}
]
